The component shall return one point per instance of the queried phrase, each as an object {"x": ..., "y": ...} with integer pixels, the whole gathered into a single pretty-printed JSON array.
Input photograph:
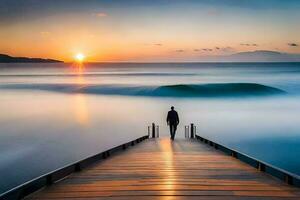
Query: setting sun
[{"x": 79, "y": 57}]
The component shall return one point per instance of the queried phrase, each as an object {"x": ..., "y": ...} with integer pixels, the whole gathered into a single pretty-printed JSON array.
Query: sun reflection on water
[
  {"x": 81, "y": 110},
  {"x": 80, "y": 102}
]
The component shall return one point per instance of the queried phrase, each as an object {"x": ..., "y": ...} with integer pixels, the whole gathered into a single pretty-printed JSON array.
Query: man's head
[{"x": 172, "y": 108}]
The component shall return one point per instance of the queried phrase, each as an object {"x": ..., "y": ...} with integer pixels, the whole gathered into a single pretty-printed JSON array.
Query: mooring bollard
[
  {"x": 186, "y": 131},
  {"x": 149, "y": 131},
  {"x": 153, "y": 130},
  {"x": 192, "y": 130},
  {"x": 157, "y": 131}
]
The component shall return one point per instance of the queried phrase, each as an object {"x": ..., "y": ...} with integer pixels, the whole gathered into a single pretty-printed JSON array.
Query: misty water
[{"x": 55, "y": 114}]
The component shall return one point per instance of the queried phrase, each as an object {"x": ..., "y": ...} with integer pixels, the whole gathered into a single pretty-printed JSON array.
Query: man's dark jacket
[{"x": 172, "y": 117}]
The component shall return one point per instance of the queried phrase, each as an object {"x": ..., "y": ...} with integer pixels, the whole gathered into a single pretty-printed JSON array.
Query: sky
[{"x": 143, "y": 30}]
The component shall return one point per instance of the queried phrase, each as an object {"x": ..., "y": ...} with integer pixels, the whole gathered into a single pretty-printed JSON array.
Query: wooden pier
[{"x": 164, "y": 169}]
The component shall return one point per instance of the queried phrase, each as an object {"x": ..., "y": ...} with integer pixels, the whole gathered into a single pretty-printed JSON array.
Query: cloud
[
  {"x": 101, "y": 14},
  {"x": 293, "y": 44},
  {"x": 179, "y": 50},
  {"x": 158, "y": 44},
  {"x": 206, "y": 49},
  {"x": 248, "y": 44},
  {"x": 224, "y": 49},
  {"x": 227, "y": 49}
]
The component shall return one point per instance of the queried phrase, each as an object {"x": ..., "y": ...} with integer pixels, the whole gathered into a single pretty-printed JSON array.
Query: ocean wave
[
  {"x": 180, "y": 90},
  {"x": 218, "y": 90}
]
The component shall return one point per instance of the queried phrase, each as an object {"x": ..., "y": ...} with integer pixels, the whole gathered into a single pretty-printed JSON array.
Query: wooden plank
[{"x": 162, "y": 169}]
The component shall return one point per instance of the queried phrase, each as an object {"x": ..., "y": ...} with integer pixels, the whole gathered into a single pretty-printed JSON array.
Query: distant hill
[
  {"x": 264, "y": 56},
  {"x": 255, "y": 56},
  {"x": 9, "y": 59}
]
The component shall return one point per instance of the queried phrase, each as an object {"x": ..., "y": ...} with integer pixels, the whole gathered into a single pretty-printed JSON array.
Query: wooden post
[
  {"x": 77, "y": 167},
  {"x": 288, "y": 179},
  {"x": 153, "y": 130},
  {"x": 233, "y": 154},
  {"x": 216, "y": 146},
  {"x": 192, "y": 131},
  {"x": 49, "y": 179},
  {"x": 149, "y": 131},
  {"x": 261, "y": 167}
]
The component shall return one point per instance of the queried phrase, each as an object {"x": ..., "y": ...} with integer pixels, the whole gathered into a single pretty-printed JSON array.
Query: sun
[{"x": 79, "y": 57}]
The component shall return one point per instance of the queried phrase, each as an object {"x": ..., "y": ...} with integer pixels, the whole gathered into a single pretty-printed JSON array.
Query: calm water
[{"x": 55, "y": 114}]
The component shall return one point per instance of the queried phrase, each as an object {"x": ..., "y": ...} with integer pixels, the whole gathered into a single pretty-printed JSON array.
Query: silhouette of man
[{"x": 173, "y": 121}]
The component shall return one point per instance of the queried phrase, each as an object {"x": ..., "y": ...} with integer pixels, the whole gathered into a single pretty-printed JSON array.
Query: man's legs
[{"x": 172, "y": 131}]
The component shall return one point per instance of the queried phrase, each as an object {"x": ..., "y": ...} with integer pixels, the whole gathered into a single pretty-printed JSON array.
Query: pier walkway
[{"x": 165, "y": 170}]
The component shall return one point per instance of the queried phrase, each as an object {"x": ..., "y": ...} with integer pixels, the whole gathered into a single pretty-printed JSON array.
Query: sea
[{"x": 54, "y": 114}]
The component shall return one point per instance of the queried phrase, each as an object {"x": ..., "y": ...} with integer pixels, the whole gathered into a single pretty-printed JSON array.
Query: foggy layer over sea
[{"x": 54, "y": 114}]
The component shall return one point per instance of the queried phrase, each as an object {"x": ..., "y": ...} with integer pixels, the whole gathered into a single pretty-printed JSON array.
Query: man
[{"x": 173, "y": 121}]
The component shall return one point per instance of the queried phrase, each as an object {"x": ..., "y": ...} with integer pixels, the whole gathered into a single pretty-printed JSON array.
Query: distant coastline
[
  {"x": 9, "y": 59},
  {"x": 259, "y": 56}
]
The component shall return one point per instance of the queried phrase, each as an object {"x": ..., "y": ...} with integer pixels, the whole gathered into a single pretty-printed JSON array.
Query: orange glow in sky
[{"x": 147, "y": 32}]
